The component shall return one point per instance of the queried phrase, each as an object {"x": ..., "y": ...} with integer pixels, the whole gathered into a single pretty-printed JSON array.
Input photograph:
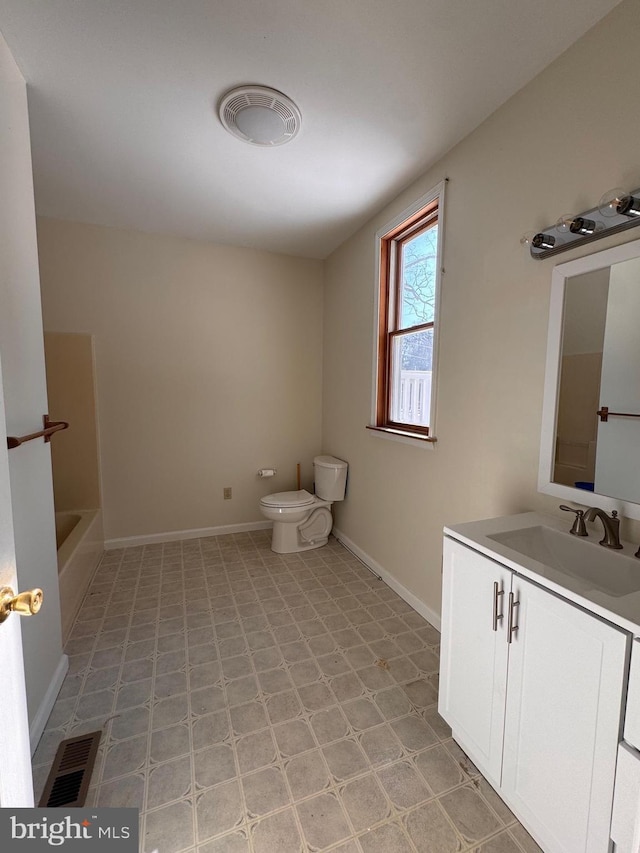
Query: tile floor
[{"x": 257, "y": 703}]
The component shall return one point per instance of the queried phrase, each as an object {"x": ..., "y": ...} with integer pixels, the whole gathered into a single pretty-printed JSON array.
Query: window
[{"x": 407, "y": 319}]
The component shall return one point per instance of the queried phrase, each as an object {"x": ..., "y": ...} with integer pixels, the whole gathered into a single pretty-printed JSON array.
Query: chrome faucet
[{"x": 610, "y": 523}]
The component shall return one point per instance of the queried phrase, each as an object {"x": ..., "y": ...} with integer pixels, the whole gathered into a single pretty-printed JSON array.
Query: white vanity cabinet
[
  {"x": 532, "y": 686},
  {"x": 625, "y": 824}
]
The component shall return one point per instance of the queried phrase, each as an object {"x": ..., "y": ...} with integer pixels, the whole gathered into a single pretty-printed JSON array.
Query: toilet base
[
  {"x": 313, "y": 532},
  {"x": 279, "y": 547}
]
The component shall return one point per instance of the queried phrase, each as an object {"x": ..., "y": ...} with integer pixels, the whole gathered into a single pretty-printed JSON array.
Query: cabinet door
[
  {"x": 562, "y": 724},
  {"x": 473, "y": 655},
  {"x": 632, "y": 719},
  {"x": 625, "y": 823}
]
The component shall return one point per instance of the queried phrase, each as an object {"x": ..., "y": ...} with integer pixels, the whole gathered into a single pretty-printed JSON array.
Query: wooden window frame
[{"x": 426, "y": 214}]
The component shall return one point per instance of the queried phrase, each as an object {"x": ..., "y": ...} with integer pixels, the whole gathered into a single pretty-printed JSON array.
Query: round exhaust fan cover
[{"x": 259, "y": 115}]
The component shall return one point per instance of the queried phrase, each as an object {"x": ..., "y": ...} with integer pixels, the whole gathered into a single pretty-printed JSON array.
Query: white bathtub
[{"x": 80, "y": 539}]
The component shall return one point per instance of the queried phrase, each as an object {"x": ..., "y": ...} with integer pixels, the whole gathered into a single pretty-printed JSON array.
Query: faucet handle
[{"x": 579, "y": 528}]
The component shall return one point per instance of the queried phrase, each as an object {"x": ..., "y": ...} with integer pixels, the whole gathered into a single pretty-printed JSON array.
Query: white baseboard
[
  {"x": 39, "y": 722},
  {"x": 175, "y": 535},
  {"x": 418, "y": 605}
]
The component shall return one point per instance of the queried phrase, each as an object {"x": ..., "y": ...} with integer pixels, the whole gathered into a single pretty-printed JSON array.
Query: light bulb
[
  {"x": 578, "y": 225},
  {"x": 563, "y": 225},
  {"x": 618, "y": 202},
  {"x": 538, "y": 240},
  {"x": 630, "y": 206},
  {"x": 543, "y": 241},
  {"x": 586, "y": 226}
]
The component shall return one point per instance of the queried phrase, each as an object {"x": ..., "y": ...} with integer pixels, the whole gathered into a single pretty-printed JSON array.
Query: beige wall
[
  {"x": 554, "y": 148},
  {"x": 208, "y": 367},
  {"x": 71, "y": 392}
]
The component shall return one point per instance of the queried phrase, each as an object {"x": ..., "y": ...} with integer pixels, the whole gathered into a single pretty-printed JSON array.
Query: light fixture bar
[{"x": 618, "y": 210}]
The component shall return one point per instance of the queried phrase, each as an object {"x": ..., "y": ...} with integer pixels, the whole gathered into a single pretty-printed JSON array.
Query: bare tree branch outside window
[{"x": 418, "y": 298}]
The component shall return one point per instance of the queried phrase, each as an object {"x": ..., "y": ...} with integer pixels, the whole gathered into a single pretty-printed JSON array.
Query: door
[
  {"x": 617, "y": 460},
  {"x": 562, "y": 722},
  {"x": 474, "y": 652},
  {"x": 16, "y": 786}
]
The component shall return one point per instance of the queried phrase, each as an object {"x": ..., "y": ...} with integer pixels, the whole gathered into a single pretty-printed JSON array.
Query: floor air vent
[{"x": 70, "y": 775}]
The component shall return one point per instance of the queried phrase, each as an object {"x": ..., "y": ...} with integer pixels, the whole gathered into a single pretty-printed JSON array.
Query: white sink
[{"x": 601, "y": 568}]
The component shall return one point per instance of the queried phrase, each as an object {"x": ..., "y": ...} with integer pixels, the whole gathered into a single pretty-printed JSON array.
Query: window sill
[{"x": 427, "y": 442}]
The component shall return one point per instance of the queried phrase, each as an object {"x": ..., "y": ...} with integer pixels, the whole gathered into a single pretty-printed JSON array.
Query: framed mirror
[{"x": 590, "y": 443}]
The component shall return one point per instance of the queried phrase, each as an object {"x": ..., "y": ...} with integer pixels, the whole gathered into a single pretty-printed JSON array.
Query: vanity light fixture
[{"x": 618, "y": 210}]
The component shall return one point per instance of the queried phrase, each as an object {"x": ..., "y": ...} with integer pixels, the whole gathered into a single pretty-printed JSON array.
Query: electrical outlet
[{"x": 226, "y": 493}]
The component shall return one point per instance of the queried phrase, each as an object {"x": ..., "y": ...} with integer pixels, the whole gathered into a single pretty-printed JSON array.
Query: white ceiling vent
[{"x": 259, "y": 115}]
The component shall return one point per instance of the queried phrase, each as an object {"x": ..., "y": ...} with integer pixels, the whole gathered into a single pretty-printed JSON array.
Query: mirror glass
[{"x": 592, "y": 395}]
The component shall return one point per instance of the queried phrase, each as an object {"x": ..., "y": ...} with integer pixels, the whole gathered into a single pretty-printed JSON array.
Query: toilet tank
[{"x": 330, "y": 477}]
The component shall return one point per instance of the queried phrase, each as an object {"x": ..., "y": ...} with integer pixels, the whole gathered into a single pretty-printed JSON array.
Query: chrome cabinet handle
[
  {"x": 512, "y": 627},
  {"x": 497, "y": 593}
]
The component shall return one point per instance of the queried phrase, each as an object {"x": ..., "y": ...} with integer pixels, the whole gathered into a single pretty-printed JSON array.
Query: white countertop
[{"x": 623, "y": 610}]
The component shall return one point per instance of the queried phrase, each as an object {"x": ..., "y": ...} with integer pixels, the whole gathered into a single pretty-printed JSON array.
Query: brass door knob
[{"x": 25, "y": 603}]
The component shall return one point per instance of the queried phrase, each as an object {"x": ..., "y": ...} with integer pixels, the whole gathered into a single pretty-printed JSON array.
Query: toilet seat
[{"x": 288, "y": 499}]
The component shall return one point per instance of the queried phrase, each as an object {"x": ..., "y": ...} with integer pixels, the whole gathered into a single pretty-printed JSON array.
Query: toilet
[{"x": 302, "y": 521}]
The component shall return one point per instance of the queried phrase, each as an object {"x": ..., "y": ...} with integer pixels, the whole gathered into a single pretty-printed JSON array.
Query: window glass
[
  {"x": 412, "y": 360},
  {"x": 418, "y": 278}
]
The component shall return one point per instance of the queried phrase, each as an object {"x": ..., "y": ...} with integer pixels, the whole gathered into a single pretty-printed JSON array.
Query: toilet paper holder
[{"x": 267, "y": 472}]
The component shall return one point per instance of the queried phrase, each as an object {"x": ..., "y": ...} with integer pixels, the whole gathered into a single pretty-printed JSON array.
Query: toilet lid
[{"x": 301, "y": 498}]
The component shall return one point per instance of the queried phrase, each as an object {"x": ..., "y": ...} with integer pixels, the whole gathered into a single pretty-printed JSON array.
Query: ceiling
[{"x": 122, "y": 98}]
